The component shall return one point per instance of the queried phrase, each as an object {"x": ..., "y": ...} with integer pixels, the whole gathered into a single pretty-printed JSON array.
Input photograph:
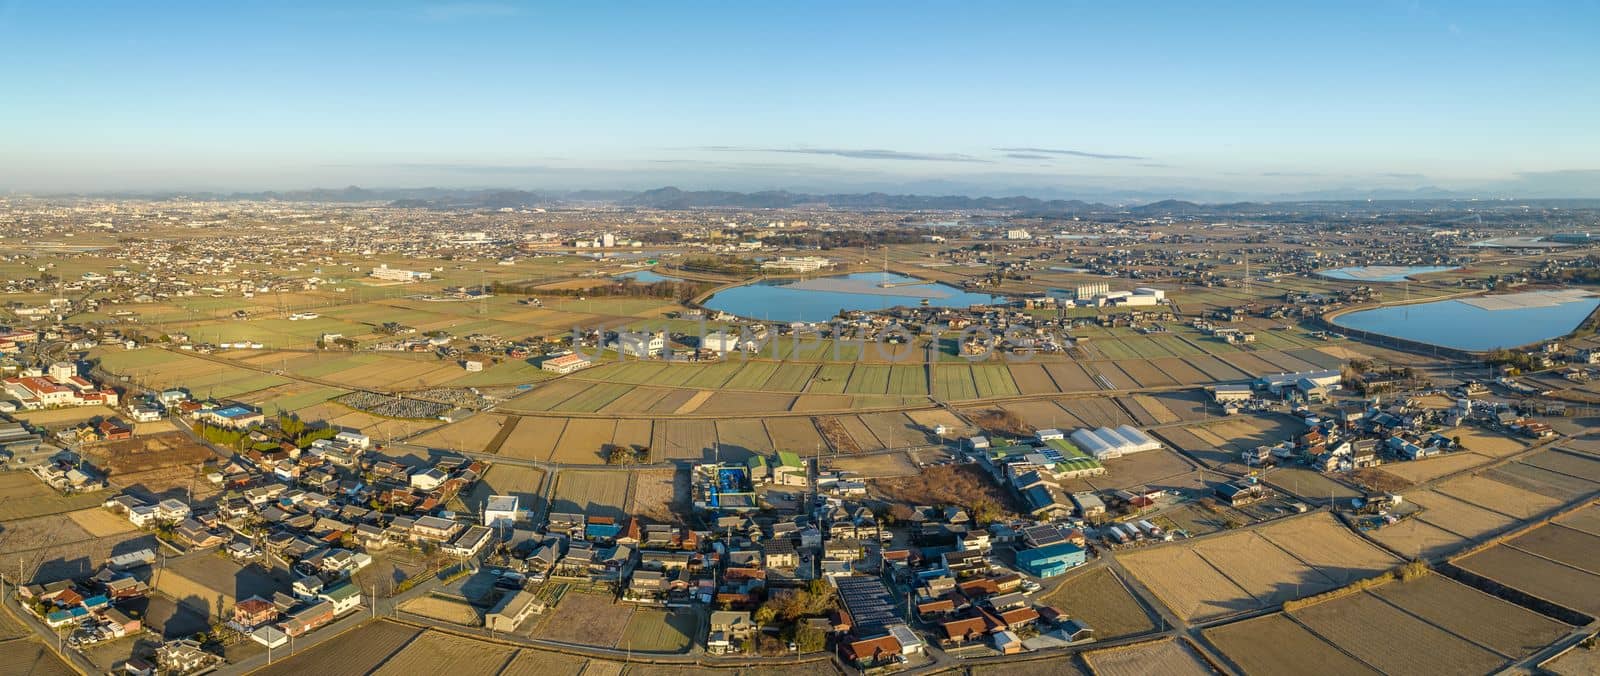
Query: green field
[
  {"x": 994, "y": 380},
  {"x": 954, "y": 383}
]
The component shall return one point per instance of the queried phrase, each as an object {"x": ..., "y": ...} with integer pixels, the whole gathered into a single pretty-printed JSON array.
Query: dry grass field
[
  {"x": 1324, "y": 543},
  {"x": 444, "y": 610},
  {"x": 28, "y": 657},
  {"x": 23, "y": 496},
  {"x": 874, "y": 466},
  {"x": 1275, "y": 644},
  {"x": 1099, "y": 599},
  {"x": 436, "y": 653},
  {"x": 1503, "y": 498},
  {"x": 683, "y": 440},
  {"x": 356, "y": 652},
  {"x": 1392, "y": 640},
  {"x": 530, "y": 662},
  {"x": 1415, "y": 538},
  {"x": 659, "y": 494},
  {"x": 593, "y": 492},
  {"x": 472, "y": 434},
  {"x": 533, "y": 438},
  {"x": 1461, "y": 610},
  {"x": 1243, "y": 571},
  {"x": 1456, "y": 516},
  {"x": 506, "y": 479},
  {"x": 1169, "y": 657},
  {"x": 1187, "y": 583},
  {"x": 101, "y": 523},
  {"x": 585, "y": 619},
  {"x": 794, "y": 434},
  {"x": 1428, "y": 469},
  {"x": 661, "y": 631},
  {"x": 583, "y": 442}
]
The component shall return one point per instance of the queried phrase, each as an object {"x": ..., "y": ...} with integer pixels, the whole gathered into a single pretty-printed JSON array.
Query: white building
[
  {"x": 502, "y": 511},
  {"x": 566, "y": 363},
  {"x": 641, "y": 345},
  {"x": 384, "y": 272},
  {"x": 797, "y": 264},
  {"x": 1018, "y": 234},
  {"x": 1105, "y": 442}
]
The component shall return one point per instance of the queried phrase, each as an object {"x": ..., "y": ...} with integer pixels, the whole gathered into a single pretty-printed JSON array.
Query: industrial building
[{"x": 1051, "y": 560}]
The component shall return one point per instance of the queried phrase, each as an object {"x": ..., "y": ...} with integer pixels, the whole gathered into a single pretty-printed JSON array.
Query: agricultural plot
[
  {"x": 592, "y": 492},
  {"x": 659, "y": 494},
  {"x": 473, "y": 434},
  {"x": 954, "y": 383},
  {"x": 794, "y": 433},
  {"x": 661, "y": 631},
  {"x": 1168, "y": 657},
  {"x": 1428, "y": 469},
  {"x": 444, "y": 610},
  {"x": 993, "y": 380},
  {"x": 548, "y": 396},
  {"x": 1070, "y": 377},
  {"x": 1539, "y": 576},
  {"x": 1322, "y": 542},
  {"x": 1155, "y": 470},
  {"x": 533, "y": 438},
  {"x": 1309, "y": 484},
  {"x": 1100, "y": 600},
  {"x": 1032, "y": 379},
  {"x": 436, "y": 653},
  {"x": 631, "y": 433},
  {"x": 745, "y": 402},
  {"x": 873, "y": 466},
  {"x": 1580, "y": 465},
  {"x": 739, "y": 438},
  {"x": 1154, "y": 410},
  {"x": 1216, "y": 369},
  {"x": 867, "y": 379},
  {"x": 1503, "y": 498},
  {"x": 585, "y": 619},
  {"x": 864, "y": 439},
  {"x": 894, "y": 429},
  {"x": 908, "y": 381},
  {"x": 789, "y": 377},
  {"x": 28, "y": 657},
  {"x": 1180, "y": 371},
  {"x": 24, "y": 496},
  {"x": 529, "y": 662},
  {"x": 1458, "y": 517},
  {"x": 1558, "y": 543},
  {"x": 1554, "y": 484},
  {"x": 1144, "y": 373},
  {"x": 684, "y": 440},
  {"x": 1415, "y": 538},
  {"x": 931, "y": 418},
  {"x": 812, "y": 403},
  {"x": 830, "y": 379},
  {"x": 1586, "y": 520},
  {"x": 1392, "y": 640},
  {"x": 1097, "y": 412},
  {"x": 583, "y": 441},
  {"x": 1275, "y": 644},
  {"x": 594, "y": 398},
  {"x": 1270, "y": 575},
  {"x": 1187, "y": 583},
  {"x": 1461, "y": 610}
]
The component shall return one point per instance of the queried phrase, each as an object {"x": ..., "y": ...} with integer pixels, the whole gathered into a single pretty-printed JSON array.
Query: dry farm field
[
  {"x": 443, "y": 609},
  {"x": 1169, "y": 657},
  {"x": 592, "y": 492},
  {"x": 662, "y": 631},
  {"x": 1514, "y": 632},
  {"x": 659, "y": 494},
  {"x": 1232, "y": 573},
  {"x": 356, "y": 652},
  {"x": 584, "y": 618},
  {"x": 1393, "y": 640},
  {"x": 1100, "y": 600},
  {"x": 529, "y": 662},
  {"x": 23, "y": 495},
  {"x": 1555, "y": 565},
  {"x": 28, "y": 657},
  {"x": 436, "y": 653},
  {"x": 1274, "y": 644}
]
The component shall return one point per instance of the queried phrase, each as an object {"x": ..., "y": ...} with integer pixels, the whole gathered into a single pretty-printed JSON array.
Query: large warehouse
[{"x": 1114, "y": 443}]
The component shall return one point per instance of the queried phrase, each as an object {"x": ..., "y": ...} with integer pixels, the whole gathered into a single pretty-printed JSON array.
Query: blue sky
[{"x": 1190, "y": 98}]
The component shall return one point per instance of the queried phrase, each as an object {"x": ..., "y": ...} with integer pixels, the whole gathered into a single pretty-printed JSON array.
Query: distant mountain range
[{"x": 674, "y": 198}]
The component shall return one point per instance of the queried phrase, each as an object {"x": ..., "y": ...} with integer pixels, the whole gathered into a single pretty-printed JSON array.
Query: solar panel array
[{"x": 870, "y": 605}]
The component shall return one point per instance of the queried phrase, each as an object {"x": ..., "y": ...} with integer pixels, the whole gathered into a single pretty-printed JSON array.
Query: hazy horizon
[{"x": 1210, "y": 103}]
